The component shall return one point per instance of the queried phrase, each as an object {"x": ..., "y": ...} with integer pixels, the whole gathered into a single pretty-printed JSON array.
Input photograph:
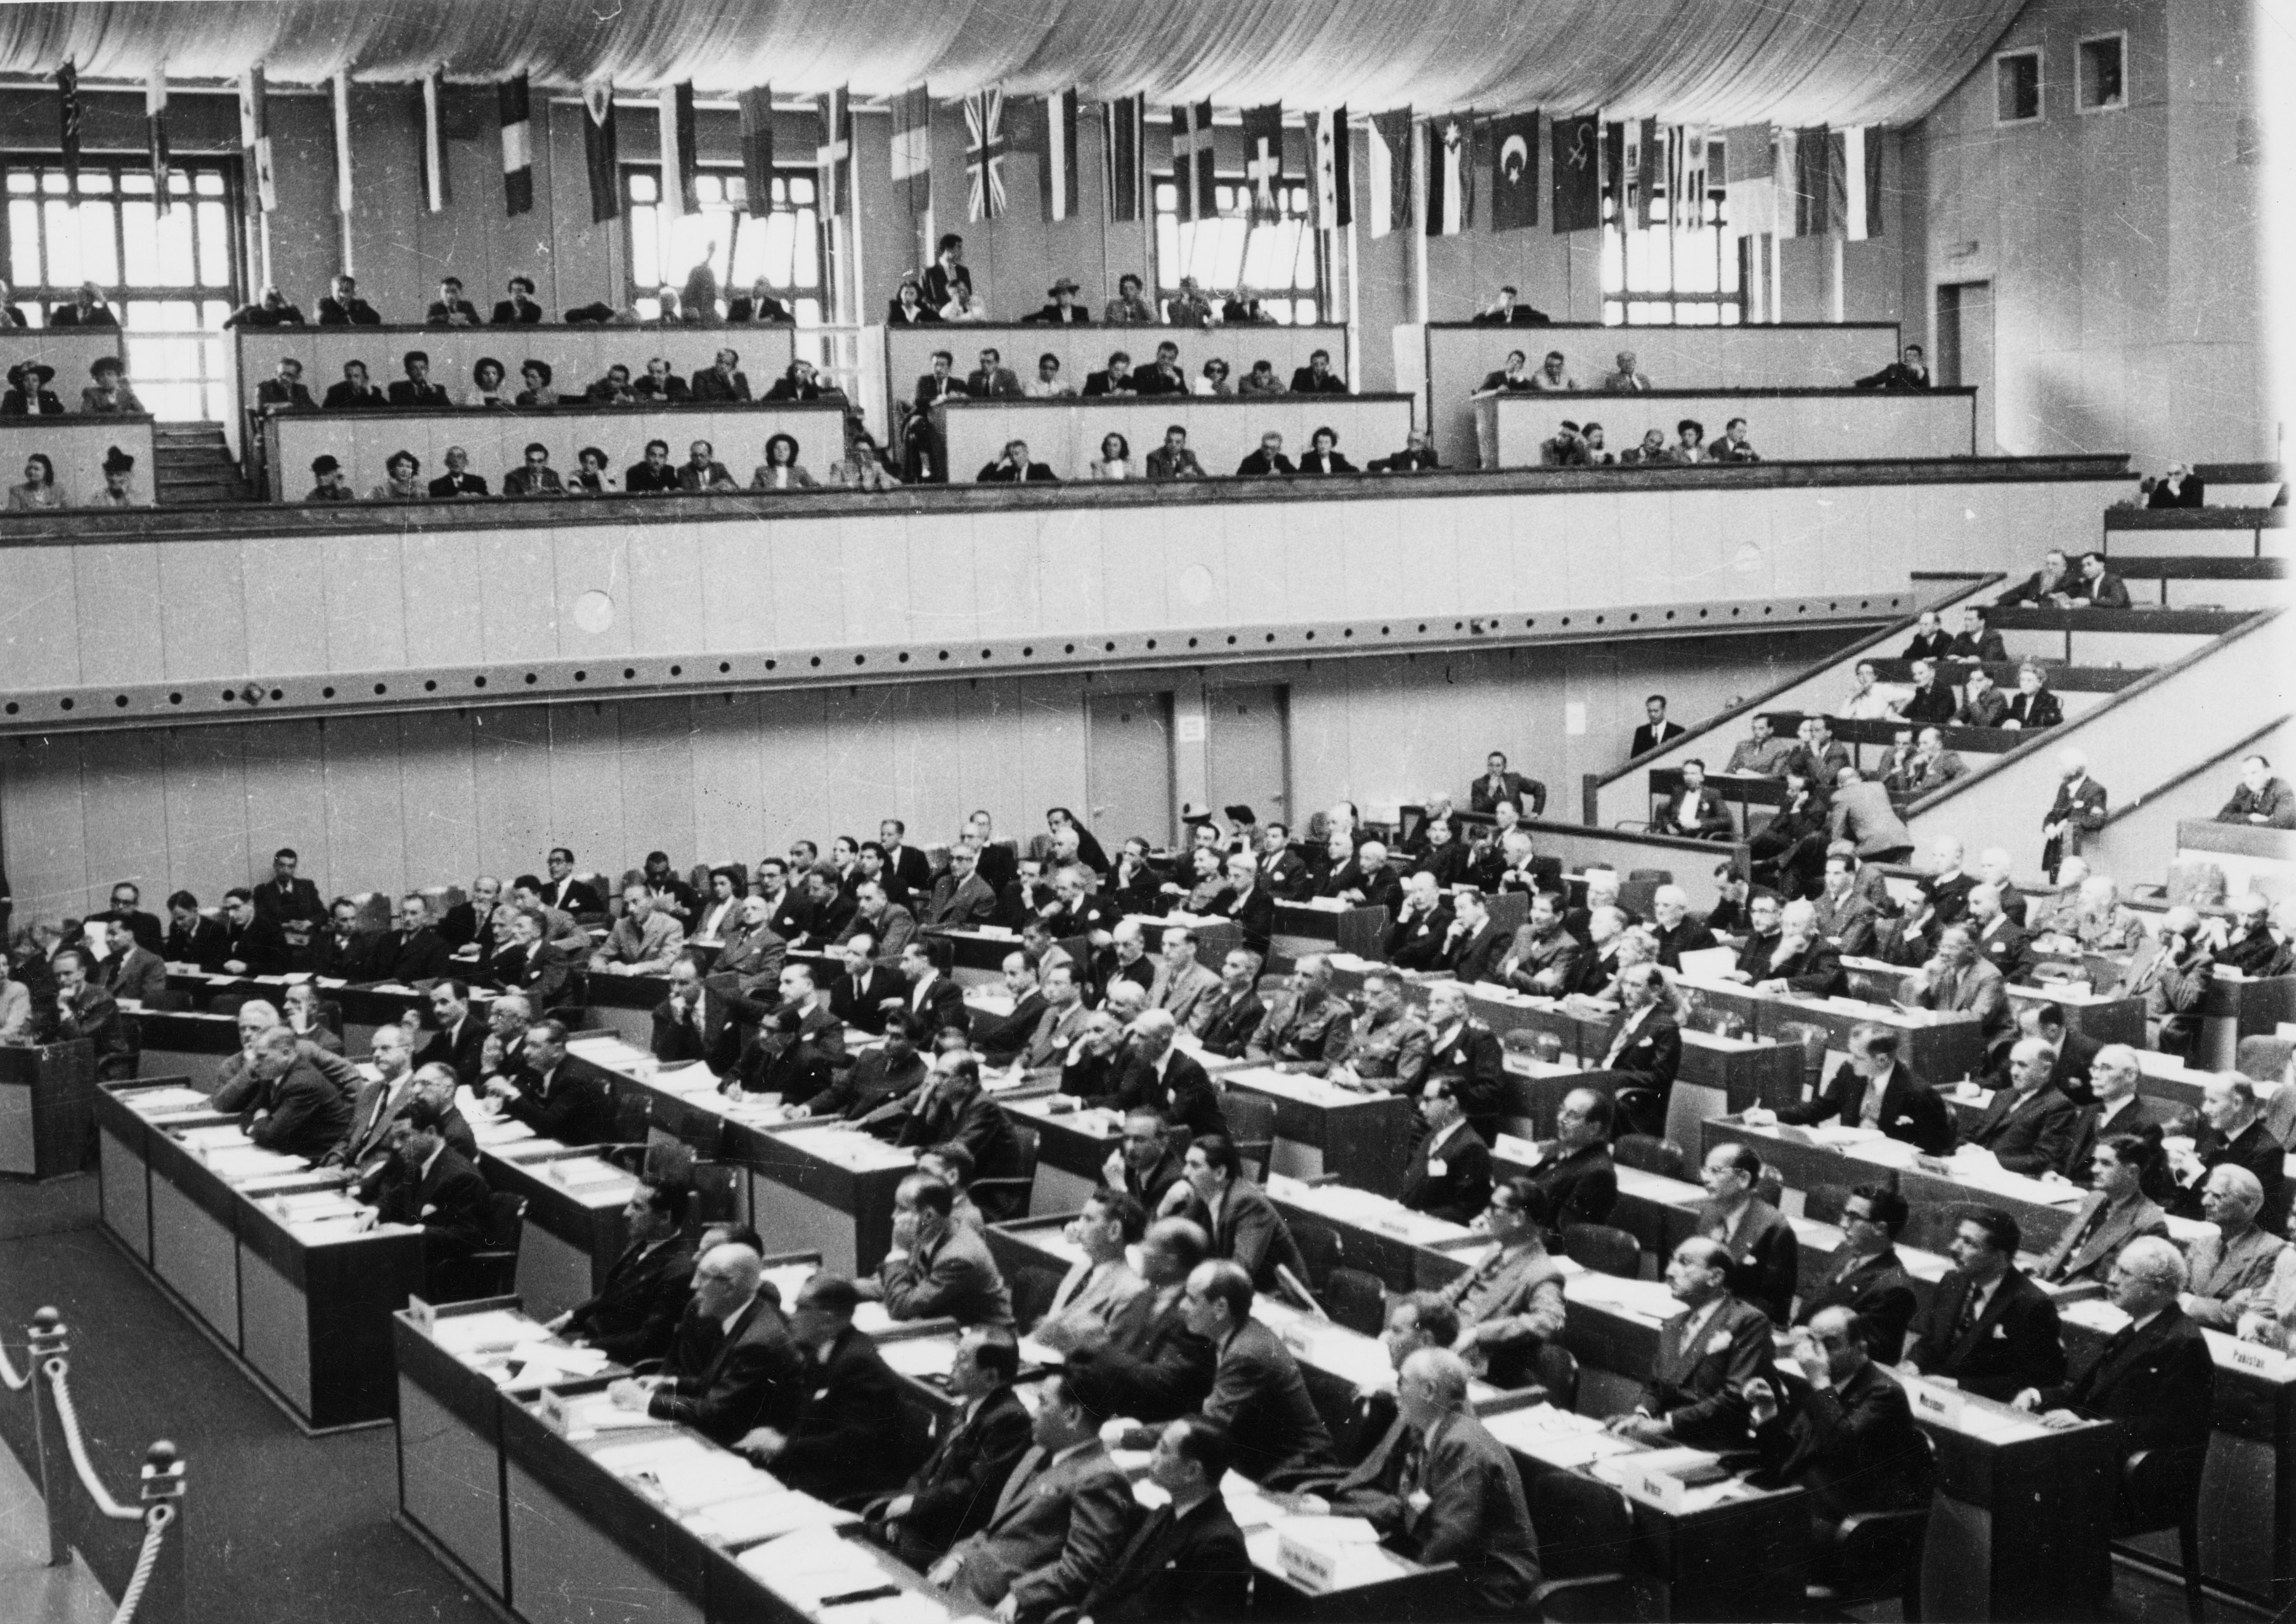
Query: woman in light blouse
[
  {"x": 1115, "y": 461},
  {"x": 1048, "y": 384},
  {"x": 488, "y": 387},
  {"x": 781, "y": 470},
  {"x": 39, "y": 487},
  {"x": 1213, "y": 380},
  {"x": 404, "y": 483}
]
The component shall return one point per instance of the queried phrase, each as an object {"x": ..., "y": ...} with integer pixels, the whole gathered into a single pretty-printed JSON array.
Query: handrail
[{"x": 2195, "y": 770}]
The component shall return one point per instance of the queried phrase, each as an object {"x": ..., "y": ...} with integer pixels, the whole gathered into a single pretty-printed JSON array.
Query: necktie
[{"x": 1967, "y": 1322}]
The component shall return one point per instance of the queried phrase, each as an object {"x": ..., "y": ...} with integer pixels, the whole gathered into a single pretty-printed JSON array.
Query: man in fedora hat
[
  {"x": 330, "y": 486},
  {"x": 1063, "y": 311},
  {"x": 28, "y": 394},
  {"x": 117, "y": 467},
  {"x": 110, "y": 393}
]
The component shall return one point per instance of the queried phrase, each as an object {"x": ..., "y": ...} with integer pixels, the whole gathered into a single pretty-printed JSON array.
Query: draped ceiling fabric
[{"x": 1717, "y": 63}]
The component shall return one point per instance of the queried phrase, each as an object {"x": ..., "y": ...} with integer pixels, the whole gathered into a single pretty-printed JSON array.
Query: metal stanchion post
[
  {"x": 162, "y": 1599},
  {"x": 48, "y": 1340}
]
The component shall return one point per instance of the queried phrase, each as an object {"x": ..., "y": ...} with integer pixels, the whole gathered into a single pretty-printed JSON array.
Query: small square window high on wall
[
  {"x": 2104, "y": 82},
  {"x": 2017, "y": 87}
]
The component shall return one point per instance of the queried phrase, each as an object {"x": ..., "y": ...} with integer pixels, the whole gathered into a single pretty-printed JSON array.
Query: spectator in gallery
[
  {"x": 1061, "y": 308},
  {"x": 1173, "y": 460},
  {"x": 701, "y": 470},
  {"x": 328, "y": 486},
  {"x": 404, "y": 481},
  {"x": 118, "y": 465},
  {"x": 535, "y": 477},
  {"x": 30, "y": 395},
  {"x": 518, "y": 309},
  {"x": 652, "y": 475},
  {"x": 1650, "y": 454},
  {"x": 1268, "y": 460},
  {"x": 1013, "y": 467},
  {"x": 458, "y": 480},
  {"x": 660, "y": 383},
  {"x": 2262, "y": 800},
  {"x": 1690, "y": 442},
  {"x": 1629, "y": 379},
  {"x": 863, "y": 467},
  {"x": 1323, "y": 456},
  {"x": 273, "y": 309},
  {"x": 591, "y": 476},
  {"x": 355, "y": 393},
  {"x": 947, "y": 272},
  {"x": 1909, "y": 371},
  {"x": 1114, "y": 461},
  {"x": 964, "y": 305},
  {"x": 1212, "y": 382},
  {"x": 86, "y": 309},
  {"x": 1189, "y": 307},
  {"x": 1048, "y": 384},
  {"x": 758, "y": 306},
  {"x": 284, "y": 390},
  {"x": 343, "y": 307},
  {"x": 1733, "y": 446},
  {"x": 1511, "y": 379},
  {"x": 415, "y": 389},
  {"x": 1417, "y": 456},
  {"x": 1114, "y": 379},
  {"x": 2180, "y": 486},
  {"x": 536, "y": 376},
  {"x": 908, "y": 307},
  {"x": 1508, "y": 310},
  {"x": 1261, "y": 380},
  {"x": 450, "y": 308},
  {"x": 1655, "y": 730},
  {"x": 1550, "y": 378},
  {"x": 992, "y": 379},
  {"x": 780, "y": 470},
  {"x": 1317, "y": 378},
  {"x": 1128, "y": 308},
  {"x": 798, "y": 381},
  {"x": 722, "y": 379}
]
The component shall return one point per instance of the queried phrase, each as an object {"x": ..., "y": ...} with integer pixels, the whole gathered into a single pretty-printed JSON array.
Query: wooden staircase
[{"x": 194, "y": 464}]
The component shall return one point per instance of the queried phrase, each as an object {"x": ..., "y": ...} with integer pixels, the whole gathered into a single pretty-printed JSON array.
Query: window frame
[
  {"x": 1728, "y": 303},
  {"x": 1162, "y": 291},
  {"x": 235, "y": 290},
  {"x": 645, "y": 295},
  {"x": 2082, "y": 102},
  {"x": 2041, "y": 87}
]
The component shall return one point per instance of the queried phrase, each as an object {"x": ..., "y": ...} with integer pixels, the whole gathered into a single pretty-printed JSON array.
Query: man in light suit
[
  {"x": 1061, "y": 1520},
  {"x": 1696, "y": 1392},
  {"x": 379, "y": 1102},
  {"x": 937, "y": 1267},
  {"x": 1181, "y": 983},
  {"x": 1862, "y": 815},
  {"x": 1101, "y": 1299},
  {"x": 751, "y": 962},
  {"x": 961, "y": 898},
  {"x": 992, "y": 379},
  {"x": 2115, "y": 1213},
  {"x": 1958, "y": 979},
  {"x": 1057, "y": 1031},
  {"x": 134, "y": 971}
]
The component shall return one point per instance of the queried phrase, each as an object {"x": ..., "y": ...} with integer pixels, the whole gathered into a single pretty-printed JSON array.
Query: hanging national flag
[
  {"x": 1263, "y": 162},
  {"x": 1450, "y": 171},
  {"x": 340, "y": 94},
  {"x": 912, "y": 165},
  {"x": 1870, "y": 166},
  {"x": 1576, "y": 144},
  {"x": 681, "y": 164},
  {"x": 1056, "y": 159},
  {"x": 1390, "y": 172},
  {"x": 757, "y": 114},
  {"x": 1695, "y": 177},
  {"x": 435, "y": 193},
  {"x": 517, "y": 146},
  {"x": 602, "y": 156},
  {"x": 834, "y": 156},
  {"x": 1124, "y": 124},
  {"x": 1332, "y": 197},
  {"x": 1193, "y": 177},
  {"x": 68, "y": 113},
  {"x": 255, "y": 138},
  {"x": 1749, "y": 180},
  {"x": 984, "y": 155},
  {"x": 1618, "y": 164},
  {"x": 1818, "y": 182},
  {"x": 155, "y": 134},
  {"x": 1515, "y": 171}
]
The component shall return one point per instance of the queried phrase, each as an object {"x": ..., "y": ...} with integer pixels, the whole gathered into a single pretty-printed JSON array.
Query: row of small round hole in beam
[{"x": 630, "y": 673}]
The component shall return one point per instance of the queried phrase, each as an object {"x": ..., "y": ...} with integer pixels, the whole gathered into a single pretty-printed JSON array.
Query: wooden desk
[
  {"x": 2103, "y": 1016},
  {"x": 303, "y": 1306},
  {"x": 1941, "y": 1046},
  {"x": 574, "y": 1227},
  {"x": 1072, "y": 1146},
  {"x": 1376, "y": 1233},
  {"x": 1308, "y": 927},
  {"x": 1362, "y": 1139},
  {"x": 2233, "y": 1010},
  {"x": 47, "y": 1108},
  {"x": 830, "y": 1190}
]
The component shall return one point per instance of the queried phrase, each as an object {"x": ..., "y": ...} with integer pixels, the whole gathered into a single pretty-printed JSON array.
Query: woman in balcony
[
  {"x": 39, "y": 490},
  {"x": 782, "y": 470},
  {"x": 110, "y": 394},
  {"x": 1115, "y": 460},
  {"x": 404, "y": 483},
  {"x": 593, "y": 475}
]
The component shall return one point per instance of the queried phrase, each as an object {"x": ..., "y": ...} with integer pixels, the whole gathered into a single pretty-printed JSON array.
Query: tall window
[
  {"x": 173, "y": 278},
  {"x": 1275, "y": 264},
  {"x": 1672, "y": 273},
  {"x": 783, "y": 247}
]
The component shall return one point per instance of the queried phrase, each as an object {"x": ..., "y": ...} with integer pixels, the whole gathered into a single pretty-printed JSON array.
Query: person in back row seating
[
  {"x": 1417, "y": 456},
  {"x": 1268, "y": 460},
  {"x": 758, "y": 306},
  {"x": 1061, "y": 309},
  {"x": 613, "y": 389},
  {"x": 458, "y": 480},
  {"x": 1261, "y": 380},
  {"x": 1317, "y": 378},
  {"x": 1014, "y": 467},
  {"x": 416, "y": 389},
  {"x": 111, "y": 393},
  {"x": 284, "y": 390},
  {"x": 28, "y": 394},
  {"x": 1324, "y": 457},
  {"x": 343, "y": 307},
  {"x": 591, "y": 477},
  {"x": 325, "y": 472},
  {"x": 722, "y": 379},
  {"x": 534, "y": 375},
  {"x": 272, "y": 310},
  {"x": 519, "y": 310},
  {"x": 660, "y": 384},
  {"x": 797, "y": 381},
  {"x": 653, "y": 475},
  {"x": 450, "y": 308},
  {"x": 354, "y": 393},
  {"x": 404, "y": 481},
  {"x": 1173, "y": 460},
  {"x": 1114, "y": 379},
  {"x": 701, "y": 470},
  {"x": 536, "y": 477},
  {"x": 780, "y": 470}
]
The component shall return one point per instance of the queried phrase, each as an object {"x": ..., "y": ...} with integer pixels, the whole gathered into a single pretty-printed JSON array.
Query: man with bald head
[
  {"x": 2029, "y": 1126},
  {"x": 1706, "y": 1358},
  {"x": 380, "y": 1102},
  {"x": 286, "y": 1103},
  {"x": 2232, "y": 1265},
  {"x": 2116, "y": 1107},
  {"x": 2175, "y": 983},
  {"x": 1846, "y": 1433},
  {"x": 733, "y": 1366},
  {"x": 1958, "y": 979},
  {"x": 2232, "y": 1132}
]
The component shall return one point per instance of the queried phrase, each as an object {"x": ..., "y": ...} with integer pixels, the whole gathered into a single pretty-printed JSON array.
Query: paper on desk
[
  {"x": 918, "y": 1356},
  {"x": 491, "y": 1331},
  {"x": 803, "y": 1569},
  {"x": 160, "y": 1100},
  {"x": 582, "y": 1172},
  {"x": 789, "y": 1279},
  {"x": 563, "y": 1357},
  {"x": 692, "y": 1078},
  {"x": 1710, "y": 962},
  {"x": 652, "y": 1455},
  {"x": 589, "y": 1413},
  {"x": 235, "y": 1164},
  {"x": 770, "y": 1516},
  {"x": 221, "y": 1133}
]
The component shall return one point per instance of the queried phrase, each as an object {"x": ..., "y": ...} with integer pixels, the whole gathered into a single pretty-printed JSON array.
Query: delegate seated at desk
[
  {"x": 1874, "y": 1091},
  {"x": 851, "y": 1439},
  {"x": 2029, "y": 1126},
  {"x": 1986, "y": 1327},
  {"x": 1510, "y": 1304},
  {"x": 1696, "y": 812},
  {"x": 1706, "y": 1358},
  {"x": 553, "y": 1102},
  {"x": 1575, "y": 1177},
  {"x": 2113, "y": 1213},
  {"x": 1308, "y": 1028},
  {"x": 284, "y": 1101},
  {"x": 954, "y": 1493},
  {"x": 2232, "y": 1268},
  {"x": 1958, "y": 979},
  {"x": 1763, "y": 1256},
  {"x": 936, "y": 1267},
  {"x": 733, "y": 1366},
  {"x": 1242, "y": 1224},
  {"x": 1153, "y": 1365},
  {"x": 1186, "y": 1560},
  {"x": 634, "y": 1315},
  {"x": 1785, "y": 953},
  {"x": 1642, "y": 1053},
  {"x": 1866, "y": 1278},
  {"x": 1449, "y": 1173},
  {"x": 427, "y": 1185},
  {"x": 698, "y": 1023},
  {"x": 2233, "y": 1133},
  {"x": 1845, "y": 1432}
]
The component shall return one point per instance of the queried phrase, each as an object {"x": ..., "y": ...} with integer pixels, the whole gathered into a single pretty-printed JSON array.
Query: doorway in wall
[
  {"x": 1128, "y": 767},
  {"x": 1964, "y": 350},
  {"x": 1248, "y": 751}
]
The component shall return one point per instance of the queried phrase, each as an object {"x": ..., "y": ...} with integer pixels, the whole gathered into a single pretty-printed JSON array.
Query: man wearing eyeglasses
[
  {"x": 1511, "y": 1301},
  {"x": 1866, "y": 1276},
  {"x": 1848, "y": 1436}
]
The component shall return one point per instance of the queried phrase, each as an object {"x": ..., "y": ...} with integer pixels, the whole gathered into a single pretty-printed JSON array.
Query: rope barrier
[
  {"x": 8, "y": 1379},
  {"x": 57, "y": 1370},
  {"x": 156, "y": 1522}
]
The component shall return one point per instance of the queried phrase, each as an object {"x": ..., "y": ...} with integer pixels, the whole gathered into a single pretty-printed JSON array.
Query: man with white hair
[
  {"x": 1944, "y": 898},
  {"x": 2076, "y": 813},
  {"x": 2232, "y": 1132},
  {"x": 733, "y": 1366},
  {"x": 1802, "y": 961},
  {"x": 2099, "y": 923},
  {"x": 2029, "y": 1127},
  {"x": 254, "y": 1018},
  {"x": 1159, "y": 1076},
  {"x": 1998, "y": 939},
  {"x": 2248, "y": 944},
  {"x": 1993, "y": 866},
  {"x": 1956, "y": 979},
  {"x": 2155, "y": 1378},
  {"x": 2176, "y": 983},
  {"x": 2233, "y": 1263},
  {"x": 2113, "y": 1074}
]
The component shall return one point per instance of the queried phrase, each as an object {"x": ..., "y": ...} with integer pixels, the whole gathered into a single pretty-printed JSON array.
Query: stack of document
[
  {"x": 693, "y": 1078},
  {"x": 926, "y": 1357},
  {"x": 588, "y": 1414},
  {"x": 493, "y": 1331},
  {"x": 208, "y": 1138},
  {"x": 767, "y": 1514},
  {"x": 234, "y": 1164},
  {"x": 171, "y": 1102},
  {"x": 584, "y": 1173},
  {"x": 810, "y": 1573},
  {"x": 1557, "y": 1437}
]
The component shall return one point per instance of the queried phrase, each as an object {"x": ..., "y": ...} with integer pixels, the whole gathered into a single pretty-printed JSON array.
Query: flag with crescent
[{"x": 1514, "y": 143}]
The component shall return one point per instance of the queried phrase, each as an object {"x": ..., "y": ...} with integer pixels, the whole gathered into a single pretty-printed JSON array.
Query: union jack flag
[{"x": 984, "y": 155}]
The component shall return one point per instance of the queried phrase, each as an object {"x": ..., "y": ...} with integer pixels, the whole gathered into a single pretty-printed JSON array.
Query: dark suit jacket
[
  {"x": 261, "y": 946},
  {"x": 308, "y": 1113},
  {"x": 458, "y": 485},
  {"x": 1647, "y": 738},
  {"x": 1580, "y": 1188},
  {"x": 299, "y": 900},
  {"x": 540, "y": 971},
  {"x": 944, "y": 1003},
  {"x": 1698, "y": 1388},
  {"x": 1878, "y": 1287},
  {"x": 572, "y": 896},
  {"x": 2012, "y": 1345},
  {"x": 1460, "y": 1191},
  {"x": 2028, "y": 1137},
  {"x": 441, "y": 314},
  {"x": 1254, "y": 912},
  {"x": 452, "y": 1204},
  {"x": 1229, "y": 1028},
  {"x": 2088, "y": 1127},
  {"x": 1765, "y": 1256},
  {"x": 1259, "y": 1394},
  {"x": 852, "y": 1437},
  {"x": 1056, "y": 1527},
  {"x": 202, "y": 945},
  {"x": 2159, "y": 1383},
  {"x": 577, "y": 1110},
  {"x": 1251, "y": 1233},
  {"x": 1476, "y": 1064},
  {"x": 2036, "y": 709},
  {"x": 1653, "y": 1058},
  {"x": 408, "y": 955},
  {"x": 1911, "y": 1110},
  {"x": 955, "y": 1490},
  {"x": 1711, "y": 820},
  {"x": 857, "y": 1003},
  {"x": 460, "y": 1049},
  {"x": 1817, "y": 969},
  {"x": 510, "y": 313},
  {"x": 1854, "y": 1446},
  {"x": 406, "y": 392},
  {"x": 714, "y": 1038},
  {"x": 1163, "y": 1371},
  {"x": 2006, "y": 948},
  {"x": 1004, "y": 1038},
  {"x": 755, "y": 1377},
  {"x": 359, "y": 312},
  {"x": 981, "y": 1127},
  {"x": 1416, "y": 943},
  {"x": 1477, "y": 958},
  {"x": 1184, "y": 1094},
  {"x": 636, "y": 1313},
  {"x": 95, "y": 1016},
  {"x": 1260, "y": 464},
  {"x": 956, "y": 1277},
  {"x": 1196, "y": 1568}
]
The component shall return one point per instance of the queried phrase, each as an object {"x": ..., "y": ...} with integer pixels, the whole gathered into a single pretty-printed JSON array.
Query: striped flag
[
  {"x": 155, "y": 134},
  {"x": 1192, "y": 161},
  {"x": 435, "y": 193},
  {"x": 984, "y": 155},
  {"x": 68, "y": 117},
  {"x": 1125, "y": 121},
  {"x": 1056, "y": 156},
  {"x": 757, "y": 110},
  {"x": 518, "y": 146},
  {"x": 680, "y": 163},
  {"x": 602, "y": 158},
  {"x": 834, "y": 156},
  {"x": 912, "y": 163},
  {"x": 1334, "y": 192},
  {"x": 255, "y": 138},
  {"x": 1451, "y": 176},
  {"x": 1263, "y": 162},
  {"x": 1390, "y": 172},
  {"x": 340, "y": 94}
]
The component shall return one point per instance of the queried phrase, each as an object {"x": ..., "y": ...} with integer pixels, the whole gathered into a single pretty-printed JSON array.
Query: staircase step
[{"x": 2175, "y": 566}]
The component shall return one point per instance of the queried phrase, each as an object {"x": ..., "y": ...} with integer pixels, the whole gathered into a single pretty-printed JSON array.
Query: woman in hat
[
  {"x": 781, "y": 470},
  {"x": 592, "y": 476},
  {"x": 1062, "y": 311},
  {"x": 1114, "y": 462},
  {"x": 117, "y": 467},
  {"x": 1213, "y": 380},
  {"x": 110, "y": 393},
  {"x": 537, "y": 376},
  {"x": 29, "y": 392},
  {"x": 330, "y": 486},
  {"x": 39, "y": 487},
  {"x": 908, "y": 308},
  {"x": 404, "y": 483}
]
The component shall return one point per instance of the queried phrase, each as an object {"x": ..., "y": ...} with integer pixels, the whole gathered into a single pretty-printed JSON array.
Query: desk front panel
[
  {"x": 1787, "y": 426},
  {"x": 77, "y": 446},
  {"x": 1066, "y": 435}
]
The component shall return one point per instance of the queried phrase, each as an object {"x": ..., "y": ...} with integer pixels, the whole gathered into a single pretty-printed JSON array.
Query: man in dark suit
[
  {"x": 2155, "y": 1377},
  {"x": 1706, "y": 1358},
  {"x": 1257, "y": 1392},
  {"x": 519, "y": 310},
  {"x": 1874, "y": 1091},
  {"x": 851, "y": 1438},
  {"x": 702, "y": 1022},
  {"x": 283, "y": 1101},
  {"x": 1416, "y": 935},
  {"x": 412, "y": 952},
  {"x": 2262, "y": 800},
  {"x": 460, "y": 1035},
  {"x": 1866, "y": 1276},
  {"x": 1236, "y": 1214},
  {"x": 634, "y": 1315},
  {"x": 450, "y": 308},
  {"x": 415, "y": 389},
  {"x": 2077, "y": 1051},
  {"x": 952, "y": 1110},
  {"x": 1576, "y": 1178},
  {"x": 1449, "y": 1173},
  {"x": 750, "y": 1374},
  {"x": 1186, "y": 1560},
  {"x": 287, "y": 900},
  {"x": 127, "y": 906},
  {"x": 85, "y": 1009},
  {"x": 1987, "y": 1327},
  {"x": 1013, "y": 466},
  {"x": 458, "y": 480},
  {"x": 879, "y": 1078},
  {"x": 1845, "y": 1432},
  {"x": 564, "y": 891},
  {"x": 1763, "y": 1258},
  {"x": 1466, "y": 1054},
  {"x": 1797, "y": 959},
  {"x": 134, "y": 969},
  {"x": 550, "y": 1098},
  {"x": 343, "y": 307},
  {"x": 2076, "y": 813},
  {"x": 1998, "y": 939},
  {"x": 1317, "y": 378},
  {"x": 2029, "y": 1126},
  {"x": 2232, "y": 1132},
  {"x": 2116, "y": 1108},
  {"x": 431, "y": 1186},
  {"x": 930, "y": 996},
  {"x": 286, "y": 390},
  {"x": 1654, "y": 731},
  {"x": 354, "y": 393},
  {"x": 1642, "y": 1053},
  {"x": 1268, "y": 460},
  {"x": 1226, "y": 1019},
  {"x": 1144, "y": 1167},
  {"x": 1527, "y": 796},
  {"x": 1476, "y": 942},
  {"x": 954, "y": 1493},
  {"x": 1697, "y": 813},
  {"x": 999, "y": 1039}
]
